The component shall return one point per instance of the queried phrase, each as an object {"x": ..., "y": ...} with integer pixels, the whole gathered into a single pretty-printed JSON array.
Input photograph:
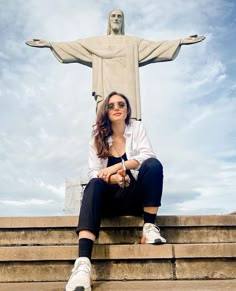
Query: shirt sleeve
[
  {"x": 95, "y": 163},
  {"x": 142, "y": 148}
]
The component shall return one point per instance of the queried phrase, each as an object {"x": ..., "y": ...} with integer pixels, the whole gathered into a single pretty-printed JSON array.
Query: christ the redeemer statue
[{"x": 115, "y": 58}]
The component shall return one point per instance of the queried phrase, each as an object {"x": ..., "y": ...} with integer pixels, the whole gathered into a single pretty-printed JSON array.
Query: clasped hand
[
  {"x": 122, "y": 179},
  {"x": 119, "y": 176}
]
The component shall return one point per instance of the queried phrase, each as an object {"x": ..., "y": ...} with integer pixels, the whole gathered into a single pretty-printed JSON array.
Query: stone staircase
[{"x": 38, "y": 253}]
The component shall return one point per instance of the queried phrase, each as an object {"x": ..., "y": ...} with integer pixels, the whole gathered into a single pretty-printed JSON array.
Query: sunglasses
[{"x": 120, "y": 104}]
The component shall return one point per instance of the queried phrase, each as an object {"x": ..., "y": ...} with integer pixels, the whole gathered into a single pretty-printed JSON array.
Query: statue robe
[{"x": 115, "y": 61}]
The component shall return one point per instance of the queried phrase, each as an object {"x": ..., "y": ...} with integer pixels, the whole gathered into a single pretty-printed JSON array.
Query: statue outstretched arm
[
  {"x": 40, "y": 43},
  {"x": 192, "y": 39}
]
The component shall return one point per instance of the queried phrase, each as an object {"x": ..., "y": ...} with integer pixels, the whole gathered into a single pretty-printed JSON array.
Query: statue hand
[
  {"x": 38, "y": 43},
  {"x": 192, "y": 39}
]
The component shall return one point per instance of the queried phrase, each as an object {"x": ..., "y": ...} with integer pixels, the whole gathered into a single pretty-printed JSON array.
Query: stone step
[
  {"x": 122, "y": 221},
  {"x": 175, "y": 285},
  {"x": 61, "y": 230},
  {"x": 115, "y": 252},
  {"x": 43, "y": 249},
  {"x": 118, "y": 262},
  {"x": 100, "y": 252},
  {"x": 117, "y": 236}
]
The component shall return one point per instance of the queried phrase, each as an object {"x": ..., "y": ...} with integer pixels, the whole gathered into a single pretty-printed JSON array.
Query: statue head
[{"x": 116, "y": 23}]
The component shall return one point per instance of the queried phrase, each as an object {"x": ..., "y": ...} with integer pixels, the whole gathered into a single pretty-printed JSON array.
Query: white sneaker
[
  {"x": 80, "y": 279},
  {"x": 151, "y": 235}
]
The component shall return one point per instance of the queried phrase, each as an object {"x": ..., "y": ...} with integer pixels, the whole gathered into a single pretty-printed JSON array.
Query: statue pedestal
[{"x": 74, "y": 189}]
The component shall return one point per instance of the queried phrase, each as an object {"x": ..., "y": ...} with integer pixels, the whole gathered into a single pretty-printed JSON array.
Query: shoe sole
[
  {"x": 158, "y": 242},
  {"x": 155, "y": 242},
  {"x": 81, "y": 288}
]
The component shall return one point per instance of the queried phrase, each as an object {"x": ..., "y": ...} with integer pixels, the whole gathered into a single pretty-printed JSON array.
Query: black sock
[
  {"x": 85, "y": 247},
  {"x": 149, "y": 217}
]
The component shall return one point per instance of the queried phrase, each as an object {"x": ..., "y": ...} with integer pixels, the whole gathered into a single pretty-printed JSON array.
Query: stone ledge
[
  {"x": 154, "y": 285},
  {"x": 205, "y": 268},
  {"x": 116, "y": 235},
  {"x": 122, "y": 252},
  {"x": 101, "y": 252},
  {"x": 222, "y": 250},
  {"x": 123, "y": 221},
  {"x": 46, "y": 271}
]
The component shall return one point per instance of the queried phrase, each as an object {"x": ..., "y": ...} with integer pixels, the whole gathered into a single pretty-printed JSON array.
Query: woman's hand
[
  {"x": 107, "y": 172},
  {"x": 115, "y": 175},
  {"x": 121, "y": 178}
]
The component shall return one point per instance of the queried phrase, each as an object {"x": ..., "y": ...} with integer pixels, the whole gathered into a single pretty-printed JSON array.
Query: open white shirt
[{"x": 138, "y": 147}]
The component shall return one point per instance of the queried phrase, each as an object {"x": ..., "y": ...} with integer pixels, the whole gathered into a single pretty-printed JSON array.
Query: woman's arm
[
  {"x": 132, "y": 164},
  {"x": 141, "y": 148},
  {"x": 95, "y": 164}
]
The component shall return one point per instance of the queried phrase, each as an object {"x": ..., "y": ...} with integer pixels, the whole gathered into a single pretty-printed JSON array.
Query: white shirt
[{"x": 138, "y": 147}]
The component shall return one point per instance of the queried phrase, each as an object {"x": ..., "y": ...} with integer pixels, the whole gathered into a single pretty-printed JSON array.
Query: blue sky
[{"x": 188, "y": 105}]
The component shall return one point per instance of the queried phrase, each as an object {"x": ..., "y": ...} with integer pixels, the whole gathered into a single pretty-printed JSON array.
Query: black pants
[{"x": 103, "y": 200}]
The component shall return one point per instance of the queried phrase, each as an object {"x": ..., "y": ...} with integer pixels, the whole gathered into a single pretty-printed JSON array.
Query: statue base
[{"x": 74, "y": 190}]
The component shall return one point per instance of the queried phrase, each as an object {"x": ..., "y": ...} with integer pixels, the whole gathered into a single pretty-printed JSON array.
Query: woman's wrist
[
  {"x": 109, "y": 179},
  {"x": 112, "y": 179},
  {"x": 116, "y": 168}
]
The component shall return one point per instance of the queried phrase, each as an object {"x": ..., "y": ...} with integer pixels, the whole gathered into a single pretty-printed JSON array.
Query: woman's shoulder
[
  {"x": 134, "y": 128},
  {"x": 135, "y": 124}
]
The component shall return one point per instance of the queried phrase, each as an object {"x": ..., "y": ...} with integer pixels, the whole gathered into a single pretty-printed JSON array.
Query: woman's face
[{"x": 117, "y": 109}]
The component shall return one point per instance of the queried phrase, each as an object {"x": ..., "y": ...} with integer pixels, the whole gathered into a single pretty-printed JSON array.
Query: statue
[{"x": 115, "y": 58}]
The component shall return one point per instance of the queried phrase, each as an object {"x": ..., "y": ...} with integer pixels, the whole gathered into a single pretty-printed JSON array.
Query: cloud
[
  {"x": 60, "y": 191},
  {"x": 33, "y": 202}
]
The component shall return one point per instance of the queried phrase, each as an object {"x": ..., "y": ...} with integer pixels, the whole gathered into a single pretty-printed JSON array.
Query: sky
[{"x": 188, "y": 105}]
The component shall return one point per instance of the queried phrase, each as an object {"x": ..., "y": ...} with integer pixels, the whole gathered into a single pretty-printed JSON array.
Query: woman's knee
[
  {"x": 94, "y": 188},
  {"x": 153, "y": 164},
  {"x": 96, "y": 183}
]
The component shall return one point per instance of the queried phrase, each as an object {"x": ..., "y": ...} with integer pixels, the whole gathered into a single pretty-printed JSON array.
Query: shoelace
[
  {"x": 154, "y": 229},
  {"x": 83, "y": 265}
]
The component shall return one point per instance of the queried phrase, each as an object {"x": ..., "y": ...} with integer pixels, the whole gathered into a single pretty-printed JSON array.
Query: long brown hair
[{"x": 102, "y": 129}]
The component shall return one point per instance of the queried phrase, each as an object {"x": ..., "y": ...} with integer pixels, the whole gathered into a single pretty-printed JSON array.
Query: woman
[{"x": 125, "y": 178}]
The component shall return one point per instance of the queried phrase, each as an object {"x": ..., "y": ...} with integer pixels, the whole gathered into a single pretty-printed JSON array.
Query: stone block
[
  {"x": 133, "y": 270},
  {"x": 199, "y": 269}
]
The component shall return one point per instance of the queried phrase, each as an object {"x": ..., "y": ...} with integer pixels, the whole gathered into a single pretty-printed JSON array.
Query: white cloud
[
  {"x": 60, "y": 191},
  {"x": 32, "y": 202}
]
